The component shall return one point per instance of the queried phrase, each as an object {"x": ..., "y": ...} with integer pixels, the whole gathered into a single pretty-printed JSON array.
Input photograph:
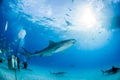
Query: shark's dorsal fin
[{"x": 51, "y": 42}]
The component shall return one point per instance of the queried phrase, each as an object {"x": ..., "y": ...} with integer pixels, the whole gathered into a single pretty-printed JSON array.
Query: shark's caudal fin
[{"x": 28, "y": 53}]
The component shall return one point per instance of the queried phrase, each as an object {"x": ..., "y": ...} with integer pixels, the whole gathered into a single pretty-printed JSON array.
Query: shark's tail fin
[{"x": 26, "y": 51}]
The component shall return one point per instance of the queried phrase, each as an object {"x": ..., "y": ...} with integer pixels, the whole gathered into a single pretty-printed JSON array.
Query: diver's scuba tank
[
  {"x": 15, "y": 63},
  {"x": 12, "y": 62}
]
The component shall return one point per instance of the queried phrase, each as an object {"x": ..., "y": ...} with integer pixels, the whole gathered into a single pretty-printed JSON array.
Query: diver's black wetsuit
[
  {"x": 18, "y": 60},
  {"x": 25, "y": 65}
]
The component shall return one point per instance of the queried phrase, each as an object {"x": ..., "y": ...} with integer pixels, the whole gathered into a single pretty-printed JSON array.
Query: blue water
[{"x": 96, "y": 47}]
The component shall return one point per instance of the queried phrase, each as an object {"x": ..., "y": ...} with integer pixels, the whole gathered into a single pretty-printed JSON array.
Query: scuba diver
[
  {"x": 1, "y": 60},
  {"x": 25, "y": 65},
  {"x": 18, "y": 62},
  {"x": 14, "y": 62}
]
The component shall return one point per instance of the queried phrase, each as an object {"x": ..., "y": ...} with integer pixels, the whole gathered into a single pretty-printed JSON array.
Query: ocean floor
[{"x": 40, "y": 73}]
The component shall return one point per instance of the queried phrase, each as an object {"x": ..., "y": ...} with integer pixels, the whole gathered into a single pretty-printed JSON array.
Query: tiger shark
[
  {"x": 52, "y": 48},
  {"x": 113, "y": 70}
]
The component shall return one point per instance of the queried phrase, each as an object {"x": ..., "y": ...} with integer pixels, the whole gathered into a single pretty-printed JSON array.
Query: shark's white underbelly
[{"x": 61, "y": 48}]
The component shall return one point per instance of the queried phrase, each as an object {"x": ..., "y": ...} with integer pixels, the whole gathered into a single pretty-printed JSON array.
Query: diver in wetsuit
[
  {"x": 25, "y": 65},
  {"x": 18, "y": 62}
]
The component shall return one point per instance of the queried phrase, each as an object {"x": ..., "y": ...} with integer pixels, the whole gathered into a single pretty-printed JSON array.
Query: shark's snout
[{"x": 73, "y": 41}]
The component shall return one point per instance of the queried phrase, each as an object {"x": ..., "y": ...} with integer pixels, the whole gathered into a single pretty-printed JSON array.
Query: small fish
[
  {"x": 68, "y": 23},
  {"x": 6, "y": 26},
  {"x": 69, "y": 9},
  {"x": 47, "y": 18},
  {"x": 72, "y": 1},
  {"x": 0, "y": 51},
  {"x": 67, "y": 15},
  {"x": 58, "y": 73}
]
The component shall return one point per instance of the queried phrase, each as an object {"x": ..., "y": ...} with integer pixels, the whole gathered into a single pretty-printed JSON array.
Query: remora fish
[{"x": 53, "y": 47}]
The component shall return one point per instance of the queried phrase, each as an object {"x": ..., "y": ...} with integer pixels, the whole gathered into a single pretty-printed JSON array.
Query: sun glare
[{"x": 87, "y": 17}]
